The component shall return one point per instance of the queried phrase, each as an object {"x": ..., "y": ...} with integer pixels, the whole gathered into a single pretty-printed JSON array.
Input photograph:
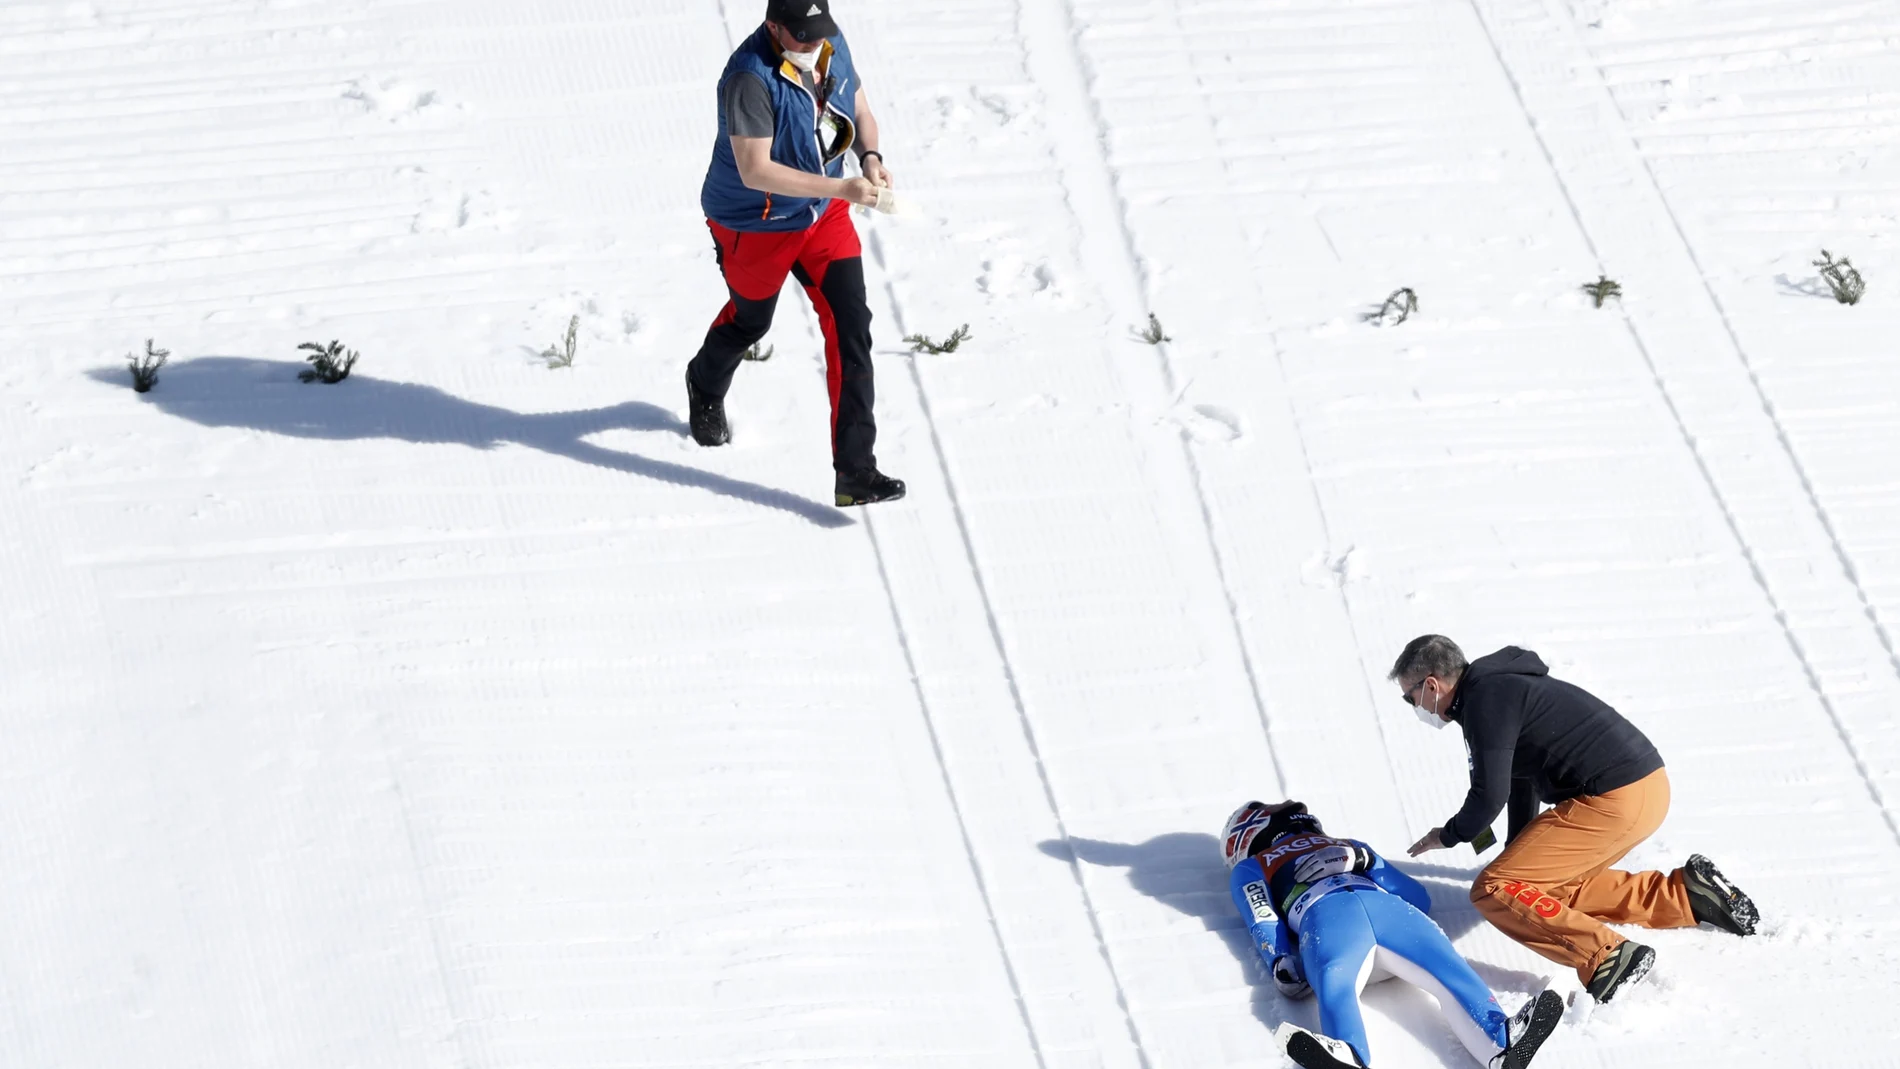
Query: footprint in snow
[
  {"x": 1210, "y": 423},
  {"x": 395, "y": 99}
]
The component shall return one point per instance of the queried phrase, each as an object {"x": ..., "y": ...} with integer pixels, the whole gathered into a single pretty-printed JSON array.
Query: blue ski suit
[{"x": 1343, "y": 914}]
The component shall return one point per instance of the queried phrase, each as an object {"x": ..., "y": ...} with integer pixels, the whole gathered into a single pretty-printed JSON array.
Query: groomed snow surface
[{"x": 466, "y": 714}]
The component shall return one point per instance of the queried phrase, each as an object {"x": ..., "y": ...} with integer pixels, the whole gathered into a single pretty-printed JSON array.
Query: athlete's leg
[
  {"x": 1413, "y": 948},
  {"x": 1336, "y": 945}
]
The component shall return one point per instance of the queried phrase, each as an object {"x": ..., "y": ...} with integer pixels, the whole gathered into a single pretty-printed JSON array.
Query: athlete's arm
[
  {"x": 1265, "y": 930},
  {"x": 1391, "y": 880},
  {"x": 758, "y": 170},
  {"x": 1284, "y": 941}
]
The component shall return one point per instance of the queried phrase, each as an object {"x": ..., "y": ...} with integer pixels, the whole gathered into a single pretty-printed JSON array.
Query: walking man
[
  {"x": 1533, "y": 739},
  {"x": 791, "y": 107}
]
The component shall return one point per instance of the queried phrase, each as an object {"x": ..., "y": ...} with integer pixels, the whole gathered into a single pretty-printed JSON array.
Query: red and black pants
[{"x": 828, "y": 261}]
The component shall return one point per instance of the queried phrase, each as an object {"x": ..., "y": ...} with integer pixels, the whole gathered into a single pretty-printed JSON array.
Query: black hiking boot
[
  {"x": 707, "y": 416},
  {"x": 1628, "y": 963},
  {"x": 867, "y": 486},
  {"x": 1528, "y": 1030},
  {"x": 1714, "y": 900}
]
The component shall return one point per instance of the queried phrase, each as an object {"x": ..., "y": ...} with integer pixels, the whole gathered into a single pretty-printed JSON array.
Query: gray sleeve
[{"x": 748, "y": 107}]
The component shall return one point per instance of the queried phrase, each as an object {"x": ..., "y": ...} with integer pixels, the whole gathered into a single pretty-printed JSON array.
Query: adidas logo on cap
[{"x": 815, "y": 10}]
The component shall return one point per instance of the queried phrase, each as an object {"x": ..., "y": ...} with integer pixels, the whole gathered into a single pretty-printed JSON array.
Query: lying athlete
[{"x": 1329, "y": 915}]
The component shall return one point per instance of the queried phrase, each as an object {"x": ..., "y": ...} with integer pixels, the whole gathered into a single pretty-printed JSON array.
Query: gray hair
[{"x": 1429, "y": 655}]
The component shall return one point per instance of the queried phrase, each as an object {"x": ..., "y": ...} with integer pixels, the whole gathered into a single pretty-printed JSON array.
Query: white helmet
[{"x": 1243, "y": 826}]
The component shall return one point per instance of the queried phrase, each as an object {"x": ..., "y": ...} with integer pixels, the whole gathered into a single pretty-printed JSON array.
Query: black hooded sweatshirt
[{"x": 1537, "y": 739}]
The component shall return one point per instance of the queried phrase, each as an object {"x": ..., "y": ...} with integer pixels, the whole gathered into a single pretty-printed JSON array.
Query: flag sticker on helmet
[{"x": 1242, "y": 827}]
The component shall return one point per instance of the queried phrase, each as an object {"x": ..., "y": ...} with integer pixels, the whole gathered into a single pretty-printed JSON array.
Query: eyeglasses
[{"x": 1407, "y": 695}]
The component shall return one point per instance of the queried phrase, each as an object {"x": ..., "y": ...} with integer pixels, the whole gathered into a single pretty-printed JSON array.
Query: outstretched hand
[{"x": 1433, "y": 840}]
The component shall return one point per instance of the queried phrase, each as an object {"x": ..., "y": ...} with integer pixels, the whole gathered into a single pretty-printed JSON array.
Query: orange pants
[{"x": 1552, "y": 887}]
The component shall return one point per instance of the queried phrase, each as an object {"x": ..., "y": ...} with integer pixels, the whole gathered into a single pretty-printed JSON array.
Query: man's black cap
[{"x": 807, "y": 20}]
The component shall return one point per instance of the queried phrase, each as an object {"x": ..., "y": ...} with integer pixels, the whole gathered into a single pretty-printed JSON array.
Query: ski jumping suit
[
  {"x": 1351, "y": 921},
  {"x": 760, "y": 238}
]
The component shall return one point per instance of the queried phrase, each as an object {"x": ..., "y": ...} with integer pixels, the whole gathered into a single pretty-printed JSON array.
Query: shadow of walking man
[{"x": 229, "y": 391}]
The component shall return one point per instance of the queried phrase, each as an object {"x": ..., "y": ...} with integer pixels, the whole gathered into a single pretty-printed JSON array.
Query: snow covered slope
[{"x": 466, "y": 714}]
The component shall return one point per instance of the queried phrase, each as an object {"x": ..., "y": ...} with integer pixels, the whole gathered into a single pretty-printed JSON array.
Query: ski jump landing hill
[{"x": 465, "y": 714}]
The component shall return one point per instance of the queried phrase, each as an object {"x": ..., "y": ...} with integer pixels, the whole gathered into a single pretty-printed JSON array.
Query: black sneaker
[
  {"x": 1528, "y": 1030},
  {"x": 1714, "y": 900},
  {"x": 1628, "y": 963},
  {"x": 707, "y": 416},
  {"x": 867, "y": 487}
]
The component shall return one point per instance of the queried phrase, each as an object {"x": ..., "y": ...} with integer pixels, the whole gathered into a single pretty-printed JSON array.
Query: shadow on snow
[
  {"x": 1183, "y": 871},
  {"x": 228, "y": 391}
]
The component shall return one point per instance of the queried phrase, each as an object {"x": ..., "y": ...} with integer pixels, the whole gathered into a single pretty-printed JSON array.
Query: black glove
[{"x": 1287, "y": 977}]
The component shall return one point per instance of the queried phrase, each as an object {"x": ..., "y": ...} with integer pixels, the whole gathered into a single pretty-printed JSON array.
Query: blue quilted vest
[{"x": 725, "y": 199}]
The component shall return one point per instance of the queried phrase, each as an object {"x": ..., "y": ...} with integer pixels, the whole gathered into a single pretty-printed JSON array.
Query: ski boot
[
  {"x": 1528, "y": 1030},
  {"x": 1310, "y": 1050}
]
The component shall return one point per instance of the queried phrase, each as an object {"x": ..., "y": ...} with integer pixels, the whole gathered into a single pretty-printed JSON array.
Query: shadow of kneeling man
[{"x": 264, "y": 395}]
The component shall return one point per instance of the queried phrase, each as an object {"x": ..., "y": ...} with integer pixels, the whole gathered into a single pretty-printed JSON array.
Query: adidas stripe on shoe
[{"x": 1628, "y": 963}]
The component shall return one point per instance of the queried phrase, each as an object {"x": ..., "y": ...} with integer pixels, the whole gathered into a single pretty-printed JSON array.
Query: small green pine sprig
[
  {"x": 1397, "y": 308},
  {"x": 1152, "y": 333},
  {"x": 329, "y": 364},
  {"x": 562, "y": 355},
  {"x": 145, "y": 368},
  {"x": 1603, "y": 289},
  {"x": 1841, "y": 278},
  {"x": 921, "y": 344}
]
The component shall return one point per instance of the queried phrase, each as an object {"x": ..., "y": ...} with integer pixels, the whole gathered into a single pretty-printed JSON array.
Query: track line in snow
[
  {"x": 1201, "y": 98},
  {"x": 1009, "y": 676},
  {"x": 1689, "y": 438},
  {"x": 437, "y": 940},
  {"x": 950, "y": 791},
  {"x": 1057, "y": 20},
  {"x": 1782, "y": 439}
]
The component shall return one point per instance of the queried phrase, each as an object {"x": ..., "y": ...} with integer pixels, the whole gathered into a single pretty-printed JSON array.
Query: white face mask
[
  {"x": 805, "y": 61},
  {"x": 1430, "y": 716}
]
